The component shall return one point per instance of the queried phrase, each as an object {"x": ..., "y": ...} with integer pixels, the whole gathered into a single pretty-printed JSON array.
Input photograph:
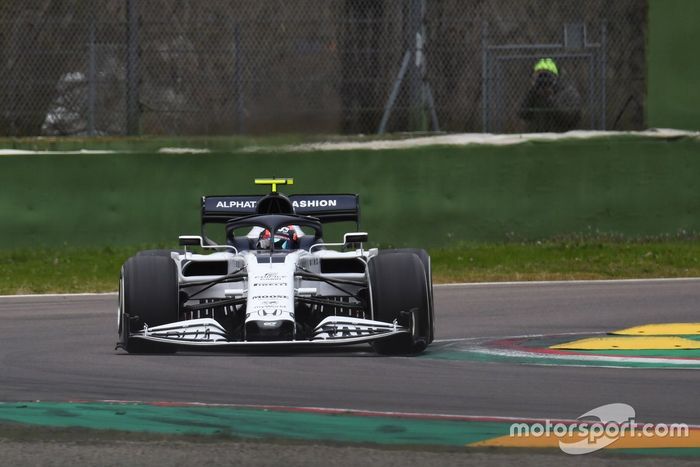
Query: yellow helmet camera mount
[{"x": 273, "y": 182}]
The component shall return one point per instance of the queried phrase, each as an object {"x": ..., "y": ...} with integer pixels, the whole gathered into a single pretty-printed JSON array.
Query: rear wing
[{"x": 326, "y": 208}]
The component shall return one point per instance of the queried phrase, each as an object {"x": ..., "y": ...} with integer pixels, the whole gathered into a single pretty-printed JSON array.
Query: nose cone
[
  {"x": 269, "y": 324},
  {"x": 269, "y": 330}
]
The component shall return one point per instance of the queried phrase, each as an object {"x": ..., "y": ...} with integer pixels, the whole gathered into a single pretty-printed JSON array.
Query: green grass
[
  {"x": 564, "y": 260},
  {"x": 45, "y": 270},
  {"x": 97, "y": 269}
]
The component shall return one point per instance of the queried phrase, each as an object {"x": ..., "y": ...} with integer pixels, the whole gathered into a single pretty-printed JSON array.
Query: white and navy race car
[{"x": 272, "y": 281}]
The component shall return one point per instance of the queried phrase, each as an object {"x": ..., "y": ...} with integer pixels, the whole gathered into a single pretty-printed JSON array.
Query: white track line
[
  {"x": 450, "y": 285},
  {"x": 522, "y": 336},
  {"x": 679, "y": 363},
  {"x": 27, "y": 152},
  {"x": 342, "y": 411},
  {"x": 572, "y": 282},
  {"x": 62, "y": 295},
  {"x": 463, "y": 139}
]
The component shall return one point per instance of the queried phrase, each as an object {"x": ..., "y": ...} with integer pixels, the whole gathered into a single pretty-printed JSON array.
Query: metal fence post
[
  {"x": 414, "y": 39},
  {"x": 238, "y": 63},
  {"x": 484, "y": 80},
  {"x": 132, "y": 68},
  {"x": 394, "y": 93},
  {"x": 603, "y": 74},
  {"x": 92, "y": 75}
]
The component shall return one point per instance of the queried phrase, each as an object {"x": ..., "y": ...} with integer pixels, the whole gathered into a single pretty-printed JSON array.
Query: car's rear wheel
[
  {"x": 399, "y": 291},
  {"x": 148, "y": 294}
]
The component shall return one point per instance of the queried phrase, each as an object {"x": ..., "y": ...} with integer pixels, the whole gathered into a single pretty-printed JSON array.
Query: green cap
[{"x": 547, "y": 64}]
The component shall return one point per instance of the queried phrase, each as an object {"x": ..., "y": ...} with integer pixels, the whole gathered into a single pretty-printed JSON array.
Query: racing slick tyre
[
  {"x": 148, "y": 294},
  {"x": 425, "y": 259},
  {"x": 399, "y": 291}
]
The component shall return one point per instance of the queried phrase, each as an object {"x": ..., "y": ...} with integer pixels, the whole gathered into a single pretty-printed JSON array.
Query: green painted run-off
[
  {"x": 270, "y": 424},
  {"x": 615, "y": 358},
  {"x": 251, "y": 423}
]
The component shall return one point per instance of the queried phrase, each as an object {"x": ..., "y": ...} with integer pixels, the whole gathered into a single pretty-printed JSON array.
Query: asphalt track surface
[{"x": 60, "y": 348}]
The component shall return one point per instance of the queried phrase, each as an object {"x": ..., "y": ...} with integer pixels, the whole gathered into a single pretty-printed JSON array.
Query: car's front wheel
[
  {"x": 148, "y": 295},
  {"x": 400, "y": 291},
  {"x": 425, "y": 259}
]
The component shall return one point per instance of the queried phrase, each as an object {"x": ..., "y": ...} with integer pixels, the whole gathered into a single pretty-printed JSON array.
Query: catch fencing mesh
[{"x": 187, "y": 67}]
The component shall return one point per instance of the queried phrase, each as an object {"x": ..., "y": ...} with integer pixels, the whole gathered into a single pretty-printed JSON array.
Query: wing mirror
[
  {"x": 355, "y": 237},
  {"x": 349, "y": 239},
  {"x": 190, "y": 240},
  {"x": 196, "y": 240}
]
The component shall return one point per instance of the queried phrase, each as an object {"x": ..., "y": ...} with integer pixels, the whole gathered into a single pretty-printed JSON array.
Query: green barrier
[
  {"x": 673, "y": 94},
  {"x": 423, "y": 197}
]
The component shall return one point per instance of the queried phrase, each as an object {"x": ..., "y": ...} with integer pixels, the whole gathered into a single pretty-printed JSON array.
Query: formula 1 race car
[{"x": 274, "y": 282}]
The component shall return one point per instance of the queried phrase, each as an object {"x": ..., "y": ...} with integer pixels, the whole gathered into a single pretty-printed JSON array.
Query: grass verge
[
  {"x": 46, "y": 270},
  {"x": 565, "y": 260}
]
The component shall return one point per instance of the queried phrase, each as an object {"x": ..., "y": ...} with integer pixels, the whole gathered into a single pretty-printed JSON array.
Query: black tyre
[
  {"x": 399, "y": 291},
  {"x": 425, "y": 259},
  {"x": 148, "y": 294}
]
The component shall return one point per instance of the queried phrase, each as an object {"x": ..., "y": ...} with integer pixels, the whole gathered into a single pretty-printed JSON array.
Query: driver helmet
[{"x": 285, "y": 239}]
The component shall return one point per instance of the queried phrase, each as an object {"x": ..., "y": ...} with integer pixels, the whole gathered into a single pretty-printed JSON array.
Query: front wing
[{"x": 332, "y": 331}]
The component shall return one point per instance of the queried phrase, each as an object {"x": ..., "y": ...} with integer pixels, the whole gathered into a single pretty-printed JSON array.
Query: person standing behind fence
[{"x": 550, "y": 104}]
